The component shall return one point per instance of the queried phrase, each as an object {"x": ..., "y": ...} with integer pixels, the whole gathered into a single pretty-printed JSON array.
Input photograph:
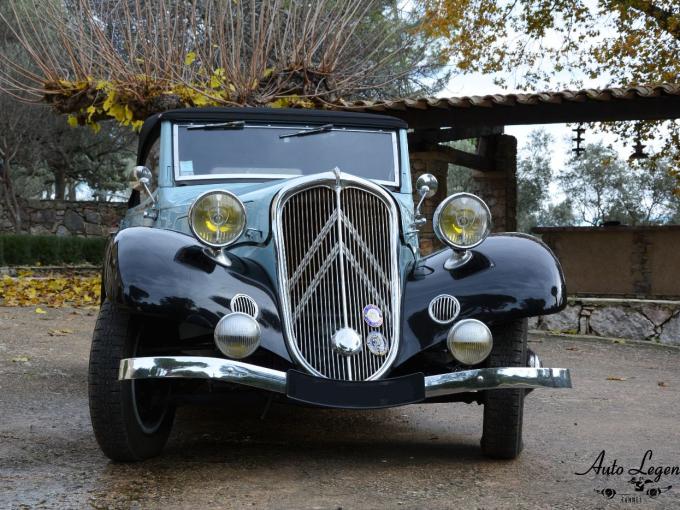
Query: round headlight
[
  {"x": 470, "y": 341},
  {"x": 462, "y": 221},
  {"x": 217, "y": 218}
]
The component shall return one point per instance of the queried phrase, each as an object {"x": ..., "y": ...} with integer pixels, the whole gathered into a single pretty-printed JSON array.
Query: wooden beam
[
  {"x": 461, "y": 158},
  {"x": 433, "y": 136}
]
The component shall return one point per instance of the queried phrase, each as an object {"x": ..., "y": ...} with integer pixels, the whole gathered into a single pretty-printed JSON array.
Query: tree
[
  {"x": 561, "y": 42},
  {"x": 78, "y": 155},
  {"x": 128, "y": 59},
  {"x": 534, "y": 175},
  {"x": 602, "y": 188}
]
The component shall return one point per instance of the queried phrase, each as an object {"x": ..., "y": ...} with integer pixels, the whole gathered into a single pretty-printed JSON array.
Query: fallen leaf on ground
[
  {"x": 20, "y": 359},
  {"x": 663, "y": 384},
  {"x": 59, "y": 332},
  {"x": 615, "y": 378},
  {"x": 572, "y": 348},
  {"x": 619, "y": 341},
  {"x": 52, "y": 291}
]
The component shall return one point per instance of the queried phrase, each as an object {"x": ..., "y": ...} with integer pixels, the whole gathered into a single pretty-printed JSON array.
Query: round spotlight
[
  {"x": 217, "y": 218},
  {"x": 462, "y": 221},
  {"x": 470, "y": 341},
  {"x": 237, "y": 335}
]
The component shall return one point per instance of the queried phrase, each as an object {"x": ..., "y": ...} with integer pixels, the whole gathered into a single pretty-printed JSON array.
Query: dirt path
[{"x": 424, "y": 456}]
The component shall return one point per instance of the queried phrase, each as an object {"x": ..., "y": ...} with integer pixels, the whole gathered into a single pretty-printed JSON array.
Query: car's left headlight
[
  {"x": 462, "y": 221},
  {"x": 217, "y": 218}
]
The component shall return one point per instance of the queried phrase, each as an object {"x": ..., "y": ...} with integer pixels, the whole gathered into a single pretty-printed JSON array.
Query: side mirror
[
  {"x": 141, "y": 178},
  {"x": 427, "y": 186}
]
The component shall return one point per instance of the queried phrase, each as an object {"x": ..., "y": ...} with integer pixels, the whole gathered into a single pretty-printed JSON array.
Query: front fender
[
  {"x": 510, "y": 276},
  {"x": 166, "y": 274}
]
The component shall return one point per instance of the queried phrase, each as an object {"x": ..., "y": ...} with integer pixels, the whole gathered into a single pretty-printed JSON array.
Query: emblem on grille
[
  {"x": 376, "y": 343},
  {"x": 346, "y": 341},
  {"x": 373, "y": 316}
]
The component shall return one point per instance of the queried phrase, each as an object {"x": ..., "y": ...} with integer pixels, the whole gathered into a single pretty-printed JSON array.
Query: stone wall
[
  {"x": 634, "y": 319},
  {"x": 619, "y": 261},
  {"x": 63, "y": 218}
]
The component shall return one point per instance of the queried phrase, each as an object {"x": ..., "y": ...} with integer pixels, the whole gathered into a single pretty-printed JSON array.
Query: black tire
[
  {"x": 131, "y": 419},
  {"x": 504, "y": 409}
]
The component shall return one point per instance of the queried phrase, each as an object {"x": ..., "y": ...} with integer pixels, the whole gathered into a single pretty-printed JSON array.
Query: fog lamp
[
  {"x": 470, "y": 341},
  {"x": 237, "y": 335},
  {"x": 217, "y": 218}
]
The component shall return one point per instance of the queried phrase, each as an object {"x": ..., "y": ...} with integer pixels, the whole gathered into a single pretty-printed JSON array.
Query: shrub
[{"x": 28, "y": 250}]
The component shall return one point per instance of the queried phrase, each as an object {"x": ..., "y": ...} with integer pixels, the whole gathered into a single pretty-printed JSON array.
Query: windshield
[{"x": 238, "y": 151}]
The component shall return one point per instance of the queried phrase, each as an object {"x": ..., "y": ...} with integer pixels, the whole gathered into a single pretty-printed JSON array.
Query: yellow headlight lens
[
  {"x": 462, "y": 221},
  {"x": 217, "y": 218}
]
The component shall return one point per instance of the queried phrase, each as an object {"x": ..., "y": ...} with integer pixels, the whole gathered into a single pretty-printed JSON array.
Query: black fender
[
  {"x": 509, "y": 276},
  {"x": 167, "y": 274}
]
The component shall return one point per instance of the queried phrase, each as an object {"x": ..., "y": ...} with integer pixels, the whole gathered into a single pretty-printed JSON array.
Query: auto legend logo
[{"x": 635, "y": 484}]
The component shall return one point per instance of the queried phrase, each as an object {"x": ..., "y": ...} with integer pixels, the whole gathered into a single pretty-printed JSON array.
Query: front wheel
[
  {"x": 504, "y": 409},
  {"x": 131, "y": 419}
]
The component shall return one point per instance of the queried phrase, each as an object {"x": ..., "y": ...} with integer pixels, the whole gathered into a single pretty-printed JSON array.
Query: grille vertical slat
[{"x": 338, "y": 255}]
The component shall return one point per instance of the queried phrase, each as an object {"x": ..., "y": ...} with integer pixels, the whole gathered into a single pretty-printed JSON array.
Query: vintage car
[{"x": 276, "y": 251}]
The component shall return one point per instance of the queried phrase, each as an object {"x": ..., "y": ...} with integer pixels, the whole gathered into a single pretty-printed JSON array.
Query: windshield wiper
[
  {"x": 235, "y": 124},
  {"x": 306, "y": 132}
]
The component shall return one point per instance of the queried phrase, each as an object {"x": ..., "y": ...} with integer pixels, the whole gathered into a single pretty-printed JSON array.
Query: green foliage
[
  {"x": 28, "y": 250},
  {"x": 459, "y": 178},
  {"x": 599, "y": 186}
]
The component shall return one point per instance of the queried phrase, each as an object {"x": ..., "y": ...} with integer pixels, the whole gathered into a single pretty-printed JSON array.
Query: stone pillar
[
  {"x": 498, "y": 188},
  {"x": 437, "y": 164}
]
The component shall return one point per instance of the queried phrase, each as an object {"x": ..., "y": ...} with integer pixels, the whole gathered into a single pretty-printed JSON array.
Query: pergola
[{"x": 433, "y": 121}]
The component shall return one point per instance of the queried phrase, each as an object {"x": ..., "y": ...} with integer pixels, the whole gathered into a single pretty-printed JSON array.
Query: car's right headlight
[
  {"x": 462, "y": 221},
  {"x": 217, "y": 218}
]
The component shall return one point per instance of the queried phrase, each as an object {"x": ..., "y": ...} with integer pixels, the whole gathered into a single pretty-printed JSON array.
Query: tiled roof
[
  {"x": 531, "y": 98},
  {"x": 653, "y": 102}
]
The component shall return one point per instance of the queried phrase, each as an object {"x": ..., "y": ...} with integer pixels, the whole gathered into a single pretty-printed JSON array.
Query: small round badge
[
  {"x": 373, "y": 316},
  {"x": 376, "y": 343}
]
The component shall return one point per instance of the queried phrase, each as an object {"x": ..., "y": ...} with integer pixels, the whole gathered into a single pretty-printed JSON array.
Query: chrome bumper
[{"x": 218, "y": 369}]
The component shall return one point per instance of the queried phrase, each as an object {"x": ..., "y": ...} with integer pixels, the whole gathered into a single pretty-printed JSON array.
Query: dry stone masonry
[
  {"x": 64, "y": 218},
  {"x": 634, "y": 319}
]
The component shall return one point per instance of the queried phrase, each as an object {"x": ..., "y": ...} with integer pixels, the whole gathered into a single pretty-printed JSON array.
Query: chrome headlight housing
[
  {"x": 217, "y": 218},
  {"x": 462, "y": 221}
]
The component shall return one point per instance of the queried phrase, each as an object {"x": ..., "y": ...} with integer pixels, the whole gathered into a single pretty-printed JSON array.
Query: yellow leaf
[
  {"x": 40, "y": 310},
  {"x": 20, "y": 359},
  {"x": 96, "y": 128},
  {"x": 72, "y": 121},
  {"x": 109, "y": 101},
  {"x": 268, "y": 72},
  {"x": 190, "y": 58},
  {"x": 215, "y": 82}
]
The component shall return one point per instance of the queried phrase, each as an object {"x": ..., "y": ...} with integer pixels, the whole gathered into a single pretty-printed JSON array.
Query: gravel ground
[{"x": 420, "y": 456}]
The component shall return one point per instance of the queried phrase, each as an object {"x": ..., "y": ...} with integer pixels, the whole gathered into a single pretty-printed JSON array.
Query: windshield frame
[{"x": 270, "y": 177}]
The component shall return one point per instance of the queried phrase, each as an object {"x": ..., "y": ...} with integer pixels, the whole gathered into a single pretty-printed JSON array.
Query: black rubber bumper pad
[{"x": 319, "y": 391}]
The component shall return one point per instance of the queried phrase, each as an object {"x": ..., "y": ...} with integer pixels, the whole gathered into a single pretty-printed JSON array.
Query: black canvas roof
[{"x": 151, "y": 128}]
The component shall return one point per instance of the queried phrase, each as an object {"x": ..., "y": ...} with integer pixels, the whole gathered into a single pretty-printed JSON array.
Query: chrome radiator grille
[{"x": 337, "y": 254}]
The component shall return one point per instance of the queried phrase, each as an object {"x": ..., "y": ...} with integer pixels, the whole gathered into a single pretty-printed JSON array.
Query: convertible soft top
[{"x": 151, "y": 127}]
